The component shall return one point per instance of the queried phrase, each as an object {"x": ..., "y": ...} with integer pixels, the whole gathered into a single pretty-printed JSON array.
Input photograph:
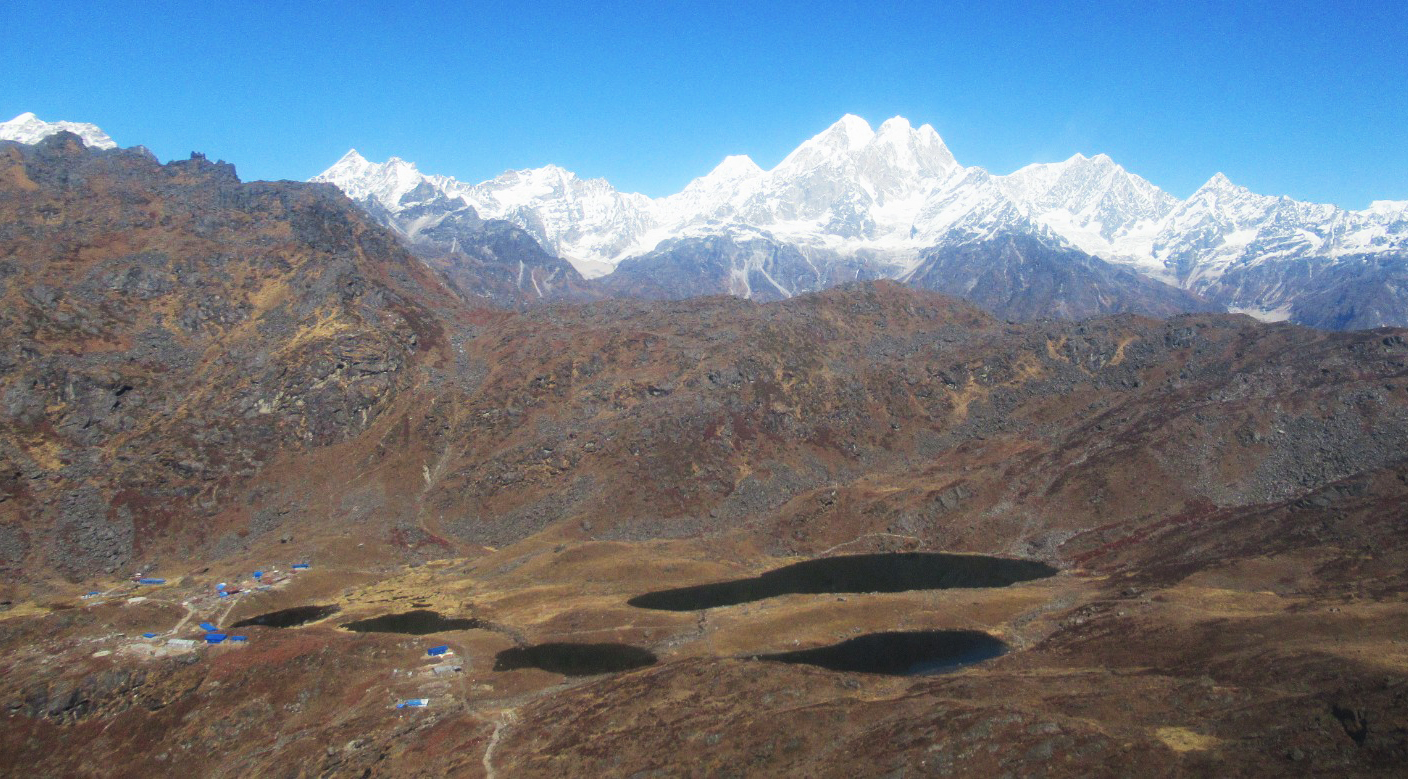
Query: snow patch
[{"x": 29, "y": 129}]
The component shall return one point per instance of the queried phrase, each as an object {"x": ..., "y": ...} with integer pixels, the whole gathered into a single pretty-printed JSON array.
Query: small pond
[
  {"x": 908, "y": 653},
  {"x": 575, "y": 659},
  {"x": 894, "y": 572},
  {"x": 287, "y": 618},
  {"x": 415, "y": 623}
]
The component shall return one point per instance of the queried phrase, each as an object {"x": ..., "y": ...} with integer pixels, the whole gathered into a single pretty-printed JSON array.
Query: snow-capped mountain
[
  {"x": 884, "y": 201},
  {"x": 1093, "y": 203},
  {"x": 28, "y": 128},
  {"x": 848, "y": 185},
  {"x": 1224, "y": 225},
  {"x": 850, "y": 189},
  {"x": 887, "y": 202},
  {"x": 493, "y": 259},
  {"x": 884, "y": 193},
  {"x": 581, "y": 220},
  {"x": 578, "y": 219}
]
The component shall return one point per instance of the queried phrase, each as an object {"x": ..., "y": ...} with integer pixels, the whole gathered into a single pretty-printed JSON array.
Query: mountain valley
[{"x": 392, "y": 394}]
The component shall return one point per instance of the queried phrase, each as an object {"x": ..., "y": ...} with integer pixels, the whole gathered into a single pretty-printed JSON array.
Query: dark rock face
[
  {"x": 490, "y": 260},
  {"x": 1015, "y": 275},
  {"x": 1357, "y": 294},
  {"x": 1020, "y": 276},
  {"x": 502, "y": 264},
  {"x": 167, "y": 329},
  {"x": 759, "y": 269}
]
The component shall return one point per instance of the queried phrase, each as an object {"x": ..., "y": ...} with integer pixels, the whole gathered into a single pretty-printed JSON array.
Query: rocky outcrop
[{"x": 167, "y": 329}]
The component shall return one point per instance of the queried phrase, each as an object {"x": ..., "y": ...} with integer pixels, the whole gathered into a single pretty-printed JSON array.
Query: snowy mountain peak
[
  {"x": 1093, "y": 203},
  {"x": 854, "y": 130},
  {"x": 1220, "y": 183},
  {"x": 1096, "y": 162},
  {"x": 897, "y": 129},
  {"x": 1388, "y": 207},
  {"x": 727, "y": 175},
  {"x": 552, "y": 170},
  {"x": 902, "y": 150},
  {"x": 352, "y": 157},
  {"x": 895, "y": 125},
  {"x": 736, "y": 166},
  {"x": 360, "y": 179},
  {"x": 1078, "y": 158},
  {"x": 28, "y": 128},
  {"x": 1220, "y": 195},
  {"x": 832, "y": 146}
]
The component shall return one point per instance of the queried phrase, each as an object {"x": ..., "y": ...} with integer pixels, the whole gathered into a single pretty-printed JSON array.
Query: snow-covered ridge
[
  {"x": 896, "y": 189},
  {"x": 581, "y": 220},
  {"x": 850, "y": 187},
  {"x": 878, "y": 197},
  {"x": 28, "y": 128}
]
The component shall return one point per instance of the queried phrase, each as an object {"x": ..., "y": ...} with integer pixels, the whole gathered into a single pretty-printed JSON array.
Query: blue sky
[{"x": 1297, "y": 98}]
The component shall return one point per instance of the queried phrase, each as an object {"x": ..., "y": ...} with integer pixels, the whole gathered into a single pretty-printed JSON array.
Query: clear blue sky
[{"x": 1308, "y": 99}]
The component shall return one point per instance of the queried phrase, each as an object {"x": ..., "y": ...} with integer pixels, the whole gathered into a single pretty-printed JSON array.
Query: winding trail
[
  {"x": 825, "y": 552},
  {"x": 508, "y": 717}
]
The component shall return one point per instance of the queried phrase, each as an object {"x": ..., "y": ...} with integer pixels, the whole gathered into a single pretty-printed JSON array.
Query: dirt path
[
  {"x": 190, "y": 612},
  {"x": 507, "y": 717},
  {"x": 858, "y": 539},
  {"x": 221, "y": 622}
]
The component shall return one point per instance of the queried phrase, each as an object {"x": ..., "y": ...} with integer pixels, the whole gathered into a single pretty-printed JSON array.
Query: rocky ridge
[{"x": 168, "y": 330}]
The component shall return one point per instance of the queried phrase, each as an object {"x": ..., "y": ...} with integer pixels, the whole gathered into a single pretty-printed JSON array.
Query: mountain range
[
  {"x": 253, "y": 407},
  {"x": 1070, "y": 239},
  {"x": 856, "y": 202}
]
